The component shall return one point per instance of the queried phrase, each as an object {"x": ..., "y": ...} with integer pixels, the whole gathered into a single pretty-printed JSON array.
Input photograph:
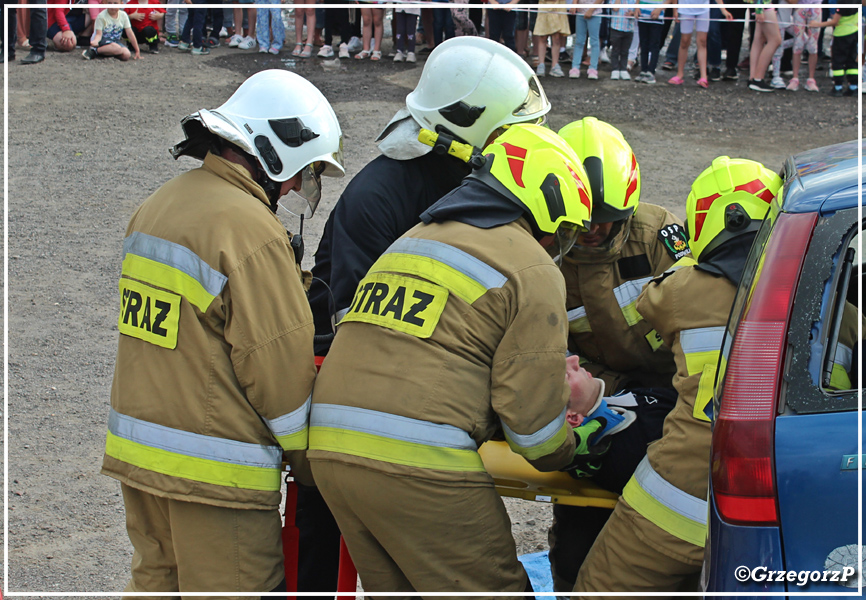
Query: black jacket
[{"x": 383, "y": 201}]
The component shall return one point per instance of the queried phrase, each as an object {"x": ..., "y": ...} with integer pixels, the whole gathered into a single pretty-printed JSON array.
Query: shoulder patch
[{"x": 675, "y": 241}]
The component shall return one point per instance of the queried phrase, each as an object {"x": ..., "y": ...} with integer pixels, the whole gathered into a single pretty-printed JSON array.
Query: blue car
[{"x": 783, "y": 502}]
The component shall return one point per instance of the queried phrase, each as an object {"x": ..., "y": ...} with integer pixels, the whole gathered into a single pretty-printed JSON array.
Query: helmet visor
[
  {"x": 563, "y": 241},
  {"x": 304, "y": 201},
  {"x": 535, "y": 101},
  {"x": 614, "y": 242}
]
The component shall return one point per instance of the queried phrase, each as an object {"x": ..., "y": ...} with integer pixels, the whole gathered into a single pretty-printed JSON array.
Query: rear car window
[{"x": 824, "y": 344}]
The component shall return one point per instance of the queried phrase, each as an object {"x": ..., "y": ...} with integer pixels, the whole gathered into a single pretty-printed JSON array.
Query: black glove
[{"x": 587, "y": 455}]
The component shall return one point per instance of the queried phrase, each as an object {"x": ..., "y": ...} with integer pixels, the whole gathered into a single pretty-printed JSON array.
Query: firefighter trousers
[
  {"x": 192, "y": 547},
  {"x": 631, "y": 554},
  {"x": 408, "y": 534}
]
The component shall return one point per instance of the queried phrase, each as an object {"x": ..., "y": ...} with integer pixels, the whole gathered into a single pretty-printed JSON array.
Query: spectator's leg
[
  {"x": 427, "y": 26},
  {"x": 594, "y": 25},
  {"x": 714, "y": 39},
  {"x": 38, "y": 30},
  {"x": 23, "y": 29},
  {"x": 411, "y": 22},
  {"x": 673, "y": 52},
  {"x": 508, "y": 24},
  {"x": 732, "y": 37}
]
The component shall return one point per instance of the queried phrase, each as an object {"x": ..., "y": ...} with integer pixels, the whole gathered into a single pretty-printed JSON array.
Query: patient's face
[{"x": 584, "y": 389}]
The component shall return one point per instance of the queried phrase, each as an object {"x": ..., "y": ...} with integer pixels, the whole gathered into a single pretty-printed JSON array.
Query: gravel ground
[{"x": 88, "y": 141}]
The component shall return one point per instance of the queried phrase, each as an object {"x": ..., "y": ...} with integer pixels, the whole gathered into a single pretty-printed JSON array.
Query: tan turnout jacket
[
  {"x": 453, "y": 330},
  {"x": 612, "y": 339},
  {"x": 215, "y": 358}
]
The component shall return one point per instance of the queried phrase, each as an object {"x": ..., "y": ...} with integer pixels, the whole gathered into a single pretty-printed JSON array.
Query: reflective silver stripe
[
  {"x": 391, "y": 426},
  {"x": 293, "y": 422},
  {"x": 844, "y": 356},
  {"x": 532, "y": 440},
  {"x": 176, "y": 256},
  {"x": 455, "y": 258},
  {"x": 576, "y": 313},
  {"x": 669, "y": 495},
  {"x": 340, "y": 314},
  {"x": 629, "y": 291},
  {"x": 194, "y": 444},
  {"x": 702, "y": 339}
]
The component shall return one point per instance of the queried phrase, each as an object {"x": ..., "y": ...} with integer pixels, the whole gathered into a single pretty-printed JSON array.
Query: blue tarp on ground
[{"x": 537, "y": 566}]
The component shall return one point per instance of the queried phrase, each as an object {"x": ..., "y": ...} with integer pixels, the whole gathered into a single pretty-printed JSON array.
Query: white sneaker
[
  {"x": 603, "y": 56},
  {"x": 248, "y": 43},
  {"x": 614, "y": 75},
  {"x": 224, "y": 32},
  {"x": 556, "y": 71},
  {"x": 355, "y": 45},
  {"x": 235, "y": 40},
  {"x": 539, "y": 70},
  {"x": 399, "y": 57},
  {"x": 624, "y": 76},
  {"x": 325, "y": 51},
  {"x": 344, "y": 51},
  {"x": 778, "y": 83},
  {"x": 410, "y": 57},
  {"x": 263, "y": 49}
]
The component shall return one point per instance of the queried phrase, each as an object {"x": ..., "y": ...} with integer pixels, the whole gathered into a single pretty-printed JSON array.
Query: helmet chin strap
[{"x": 271, "y": 187}]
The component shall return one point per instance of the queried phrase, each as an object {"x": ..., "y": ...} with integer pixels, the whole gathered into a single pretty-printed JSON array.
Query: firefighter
[
  {"x": 469, "y": 89},
  {"x": 215, "y": 358},
  {"x": 628, "y": 243},
  {"x": 459, "y": 326},
  {"x": 654, "y": 541}
]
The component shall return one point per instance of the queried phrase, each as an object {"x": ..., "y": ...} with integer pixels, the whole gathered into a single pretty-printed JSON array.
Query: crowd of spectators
[{"x": 585, "y": 34}]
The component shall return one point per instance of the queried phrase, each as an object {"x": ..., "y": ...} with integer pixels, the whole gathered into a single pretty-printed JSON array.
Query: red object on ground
[
  {"x": 347, "y": 576},
  {"x": 290, "y": 539}
]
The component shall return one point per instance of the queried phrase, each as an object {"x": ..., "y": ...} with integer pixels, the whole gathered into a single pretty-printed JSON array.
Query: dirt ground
[{"x": 88, "y": 141}]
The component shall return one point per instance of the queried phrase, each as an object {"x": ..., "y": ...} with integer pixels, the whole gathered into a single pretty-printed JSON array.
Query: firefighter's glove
[{"x": 588, "y": 455}]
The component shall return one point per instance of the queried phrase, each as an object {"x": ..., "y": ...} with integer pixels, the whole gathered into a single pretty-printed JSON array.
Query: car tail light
[{"x": 744, "y": 485}]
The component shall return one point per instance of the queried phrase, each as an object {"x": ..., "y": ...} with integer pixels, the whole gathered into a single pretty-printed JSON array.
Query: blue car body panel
[
  {"x": 822, "y": 180},
  {"x": 742, "y": 546},
  {"x": 817, "y": 494}
]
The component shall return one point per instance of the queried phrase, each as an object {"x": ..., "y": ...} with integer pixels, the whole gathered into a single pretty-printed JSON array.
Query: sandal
[
  {"x": 376, "y": 55},
  {"x": 308, "y": 51},
  {"x": 362, "y": 54},
  {"x": 676, "y": 80},
  {"x": 703, "y": 83},
  {"x": 297, "y": 50}
]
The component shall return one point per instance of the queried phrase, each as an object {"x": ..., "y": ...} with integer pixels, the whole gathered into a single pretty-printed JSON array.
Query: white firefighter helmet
[
  {"x": 471, "y": 86},
  {"x": 280, "y": 119}
]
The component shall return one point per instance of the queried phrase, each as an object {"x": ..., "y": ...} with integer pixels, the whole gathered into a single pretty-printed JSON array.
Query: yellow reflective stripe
[
  {"x": 169, "y": 278},
  {"x": 294, "y": 441},
  {"x": 664, "y": 505},
  {"x": 630, "y": 313},
  {"x": 578, "y": 322},
  {"x": 839, "y": 379},
  {"x": 705, "y": 393},
  {"x": 701, "y": 346},
  {"x": 696, "y": 360},
  {"x": 459, "y": 284},
  {"x": 540, "y": 443},
  {"x": 190, "y": 467},
  {"x": 399, "y": 452}
]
